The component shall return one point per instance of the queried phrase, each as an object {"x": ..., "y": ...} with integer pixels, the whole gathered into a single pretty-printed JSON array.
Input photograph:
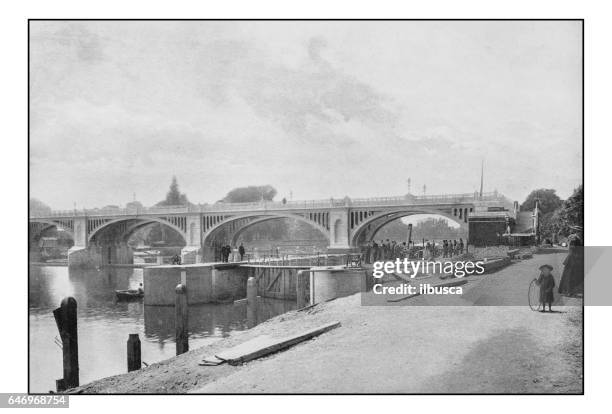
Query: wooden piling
[
  {"x": 181, "y": 320},
  {"x": 302, "y": 287},
  {"x": 133, "y": 353},
  {"x": 60, "y": 385},
  {"x": 251, "y": 291},
  {"x": 251, "y": 302},
  {"x": 66, "y": 320}
]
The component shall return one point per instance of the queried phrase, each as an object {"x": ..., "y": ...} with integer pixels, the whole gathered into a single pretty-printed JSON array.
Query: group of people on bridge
[
  {"x": 391, "y": 250},
  {"x": 226, "y": 251}
]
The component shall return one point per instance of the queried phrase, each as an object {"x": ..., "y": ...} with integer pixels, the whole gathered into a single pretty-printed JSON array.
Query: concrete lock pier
[
  {"x": 206, "y": 283},
  {"x": 328, "y": 283},
  {"x": 216, "y": 282}
]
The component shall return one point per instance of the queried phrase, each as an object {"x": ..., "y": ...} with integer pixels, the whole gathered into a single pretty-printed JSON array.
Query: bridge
[{"x": 100, "y": 235}]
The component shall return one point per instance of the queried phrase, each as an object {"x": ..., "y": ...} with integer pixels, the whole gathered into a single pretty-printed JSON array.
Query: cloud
[
  {"x": 308, "y": 102},
  {"x": 322, "y": 109}
]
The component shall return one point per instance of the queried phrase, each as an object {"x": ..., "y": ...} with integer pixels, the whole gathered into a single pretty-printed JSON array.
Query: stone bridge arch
[
  {"x": 37, "y": 227},
  {"x": 124, "y": 227},
  {"x": 107, "y": 239},
  {"x": 236, "y": 224},
  {"x": 372, "y": 223}
]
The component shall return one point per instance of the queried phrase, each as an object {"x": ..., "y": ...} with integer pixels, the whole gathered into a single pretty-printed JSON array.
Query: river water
[{"x": 104, "y": 324}]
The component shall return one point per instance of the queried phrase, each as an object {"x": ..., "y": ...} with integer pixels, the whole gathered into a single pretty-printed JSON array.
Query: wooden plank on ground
[{"x": 265, "y": 345}]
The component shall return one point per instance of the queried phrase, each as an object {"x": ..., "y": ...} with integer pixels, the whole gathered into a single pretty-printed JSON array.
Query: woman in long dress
[{"x": 572, "y": 279}]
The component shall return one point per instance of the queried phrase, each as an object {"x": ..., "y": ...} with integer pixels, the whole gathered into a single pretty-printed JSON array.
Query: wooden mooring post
[
  {"x": 303, "y": 288},
  {"x": 133, "y": 353},
  {"x": 181, "y": 320},
  {"x": 251, "y": 291},
  {"x": 251, "y": 302},
  {"x": 66, "y": 320}
]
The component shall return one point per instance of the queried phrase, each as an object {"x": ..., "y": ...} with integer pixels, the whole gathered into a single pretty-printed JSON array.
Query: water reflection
[{"x": 104, "y": 324}]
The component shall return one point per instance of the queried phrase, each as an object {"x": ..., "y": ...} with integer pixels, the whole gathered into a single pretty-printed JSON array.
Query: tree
[
  {"x": 549, "y": 200},
  {"x": 550, "y": 224},
  {"x": 572, "y": 212},
  {"x": 250, "y": 194},
  {"x": 436, "y": 228},
  {"x": 174, "y": 197},
  {"x": 561, "y": 220},
  {"x": 38, "y": 207}
]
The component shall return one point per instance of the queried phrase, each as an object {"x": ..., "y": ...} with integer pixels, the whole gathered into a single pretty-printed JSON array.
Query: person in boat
[
  {"x": 140, "y": 289},
  {"x": 546, "y": 281}
]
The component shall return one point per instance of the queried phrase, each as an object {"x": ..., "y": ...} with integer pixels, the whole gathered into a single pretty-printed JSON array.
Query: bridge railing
[{"x": 408, "y": 199}]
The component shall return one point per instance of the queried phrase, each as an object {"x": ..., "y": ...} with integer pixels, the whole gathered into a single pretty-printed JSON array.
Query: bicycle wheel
[{"x": 534, "y": 296}]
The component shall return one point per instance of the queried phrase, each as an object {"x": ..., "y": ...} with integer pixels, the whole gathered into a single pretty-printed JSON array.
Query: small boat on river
[{"x": 130, "y": 294}]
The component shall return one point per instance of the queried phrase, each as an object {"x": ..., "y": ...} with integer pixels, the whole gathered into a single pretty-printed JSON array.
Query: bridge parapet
[{"x": 405, "y": 200}]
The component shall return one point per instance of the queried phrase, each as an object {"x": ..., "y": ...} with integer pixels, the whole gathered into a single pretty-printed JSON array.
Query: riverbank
[{"x": 397, "y": 349}]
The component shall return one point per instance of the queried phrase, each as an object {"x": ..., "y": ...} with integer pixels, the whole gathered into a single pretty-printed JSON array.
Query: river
[{"x": 104, "y": 324}]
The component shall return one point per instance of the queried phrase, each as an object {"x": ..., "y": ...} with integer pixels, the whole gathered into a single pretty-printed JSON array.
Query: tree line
[{"x": 559, "y": 218}]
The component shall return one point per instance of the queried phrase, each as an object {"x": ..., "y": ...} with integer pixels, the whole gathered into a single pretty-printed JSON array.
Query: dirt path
[{"x": 398, "y": 349}]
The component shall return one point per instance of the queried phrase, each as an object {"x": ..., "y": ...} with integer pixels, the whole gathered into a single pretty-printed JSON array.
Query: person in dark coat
[
  {"x": 387, "y": 250},
  {"x": 241, "y": 251},
  {"x": 376, "y": 249},
  {"x": 546, "y": 281},
  {"x": 368, "y": 253},
  {"x": 572, "y": 278}
]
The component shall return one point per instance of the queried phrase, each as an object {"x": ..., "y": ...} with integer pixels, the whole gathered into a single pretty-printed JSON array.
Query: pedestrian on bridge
[
  {"x": 368, "y": 253},
  {"x": 387, "y": 250},
  {"x": 376, "y": 251},
  {"x": 241, "y": 251},
  {"x": 404, "y": 251},
  {"x": 393, "y": 248}
]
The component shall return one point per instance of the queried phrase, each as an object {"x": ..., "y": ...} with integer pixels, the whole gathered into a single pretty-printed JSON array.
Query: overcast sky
[{"x": 322, "y": 109}]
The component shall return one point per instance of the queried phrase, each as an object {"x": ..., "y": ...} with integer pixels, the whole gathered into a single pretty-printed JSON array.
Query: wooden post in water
[
  {"x": 251, "y": 302},
  {"x": 60, "y": 385},
  {"x": 303, "y": 279},
  {"x": 251, "y": 291},
  {"x": 133, "y": 353},
  {"x": 66, "y": 320},
  {"x": 181, "y": 320}
]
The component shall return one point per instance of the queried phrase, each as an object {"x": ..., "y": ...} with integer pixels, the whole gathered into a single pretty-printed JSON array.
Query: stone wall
[
  {"x": 331, "y": 283},
  {"x": 205, "y": 283}
]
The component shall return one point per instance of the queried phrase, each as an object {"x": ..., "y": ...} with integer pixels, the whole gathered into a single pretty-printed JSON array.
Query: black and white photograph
[
  {"x": 388, "y": 205},
  {"x": 227, "y": 198}
]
